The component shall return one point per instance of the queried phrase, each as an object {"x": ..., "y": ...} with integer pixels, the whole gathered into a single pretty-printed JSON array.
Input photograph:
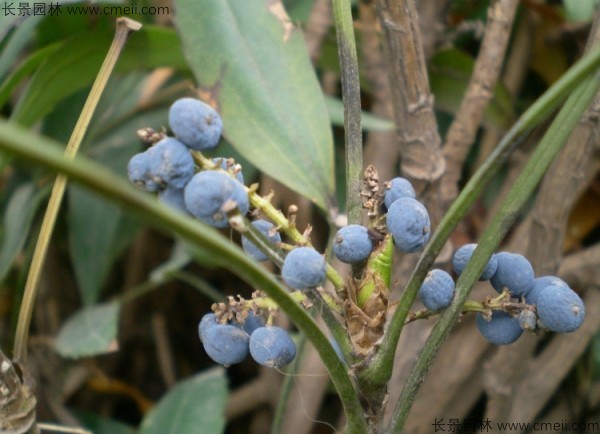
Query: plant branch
[
  {"x": 524, "y": 186},
  {"x": 39, "y": 150},
  {"x": 124, "y": 27},
  {"x": 480, "y": 91},
  {"x": 342, "y": 17},
  {"x": 416, "y": 125}
]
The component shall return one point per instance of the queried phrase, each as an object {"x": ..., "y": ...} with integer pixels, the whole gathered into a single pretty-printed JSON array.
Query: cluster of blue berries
[
  {"x": 168, "y": 167},
  {"x": 231, "y": 342},
  {"x": 537, "y": 303},
  {"x": 214, "y": 192}
]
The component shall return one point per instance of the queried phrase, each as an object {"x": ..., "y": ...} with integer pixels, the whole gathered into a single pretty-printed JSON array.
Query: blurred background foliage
[{"x": 114, "y": 343}]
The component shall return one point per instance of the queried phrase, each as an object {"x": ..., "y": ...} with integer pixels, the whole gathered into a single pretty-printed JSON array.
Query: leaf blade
[
  {"x": 273, "y": 110},
  {"x": 195, "y": 402}
]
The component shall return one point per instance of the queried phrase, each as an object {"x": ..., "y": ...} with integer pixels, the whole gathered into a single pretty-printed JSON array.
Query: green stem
[
  {"x": 342, "y": 17},
  {"x": 17, "y": 141},
  {"x": 124, "y": 27},
  {"x": 524, "y": 186},
  {"x": 379, "y": 371}
]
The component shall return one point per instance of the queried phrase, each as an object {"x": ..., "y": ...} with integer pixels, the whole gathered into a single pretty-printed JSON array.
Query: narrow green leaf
[
  {"x": 369, "y": 122},
  {"x": 90, "y": 331},
  {"x": 194, "y": 405},
  {"x": 272, "y": 106},
  {"x": 75, "y": 64},
  {"x": 93, "y": 226},
  {"x": 17, "y": 221},
  {"x": 20, "y": 38}
]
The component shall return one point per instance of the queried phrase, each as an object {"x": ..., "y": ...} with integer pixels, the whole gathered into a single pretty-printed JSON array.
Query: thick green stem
[
  {"x": 379, "y": 371},
  {"x": 342, "y": 17},
  {"x": 24, "y": 144},
  {"x": 524, "y": 186}
]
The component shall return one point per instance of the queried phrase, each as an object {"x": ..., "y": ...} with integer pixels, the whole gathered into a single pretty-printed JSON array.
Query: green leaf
[
  {"x": 194, "y": 405},
  {"x": 369, "y": 122},
  {"x": 93, "y": 229},
  {"x": 450, "y": 72},
  {"x": 272, "y": 106},
  {"x": 17, "y": 219},
  {"x": 90, "y": 331},
  {"x": 580, "y": 10},
  {"x": 75, "y": 64},
  {"x": 19, "y": 39}
]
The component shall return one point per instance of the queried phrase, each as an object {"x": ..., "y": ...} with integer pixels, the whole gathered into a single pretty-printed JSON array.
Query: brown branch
[
  {"x": 462, "y": 132},
  {"x": 419, "y": 141}
]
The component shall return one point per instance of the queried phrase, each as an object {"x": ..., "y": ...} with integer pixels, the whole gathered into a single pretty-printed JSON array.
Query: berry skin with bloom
[
  {"x": 222, "y": 162},
  {"x": 540, "y": 284},
  {"x": 304, "y": 268},
  {"x": 397, "y": 188},
  {"x": 527, "y": 320},
  {"x": 195, "y": 123},
  {"x": 437, "y": 290},
  {"x": 408, "y": 222},
  {"x": 251, "y": 323},
  {"x": 514, "y": 272},
  {"x": 138, "y": 171},
  {"x": 208, "y": 191},
  {"x": 267, "y": 229},
  {"x": 171, "y": 163},
  {"x": 463, "y": 255},
  {"x": 174, "y": 198},
  {"x": 226, "y": 344},
  {"x": 207, "y": 321},
  {"x": 502, "y": 329},
  {"x": 352, "y": 244},
  {"x": 560, "y": 309},
  {"x": 272, "y": 346}
]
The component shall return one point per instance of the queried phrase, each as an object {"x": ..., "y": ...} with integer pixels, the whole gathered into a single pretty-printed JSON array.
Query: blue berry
[
  {"x": 352, "y": 244},
  {"x": 207, "y": 321},
  {"x": 171, "y": 163},
  {"x": 560, "y": 309},
  {"x": 408, "y": 222},
  {"x": 208, "y": 191},
  {"x": 463, "y": 255},
  {"x": 138, "y": 171},
  {"x": 541, "y": 283},
  {"x": 502, "y": 329},
  {"x": 514, "y": 272},
  {"x": 397, "y": 188},
  {"x": 195, "y": 123},
  {"x": 226, "y": 344},
  {"x": 225, "y": 166},
  {"x": 174, "y": 198},
  {"x": 252, "y": 322},
  {"x": 527, "y": 320},
  {"x": 437, "y": 290},
  {"x": 272, "y": 346},
  {"x": 268, "y": 230},
  {"x": 304, "y": 268}
]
